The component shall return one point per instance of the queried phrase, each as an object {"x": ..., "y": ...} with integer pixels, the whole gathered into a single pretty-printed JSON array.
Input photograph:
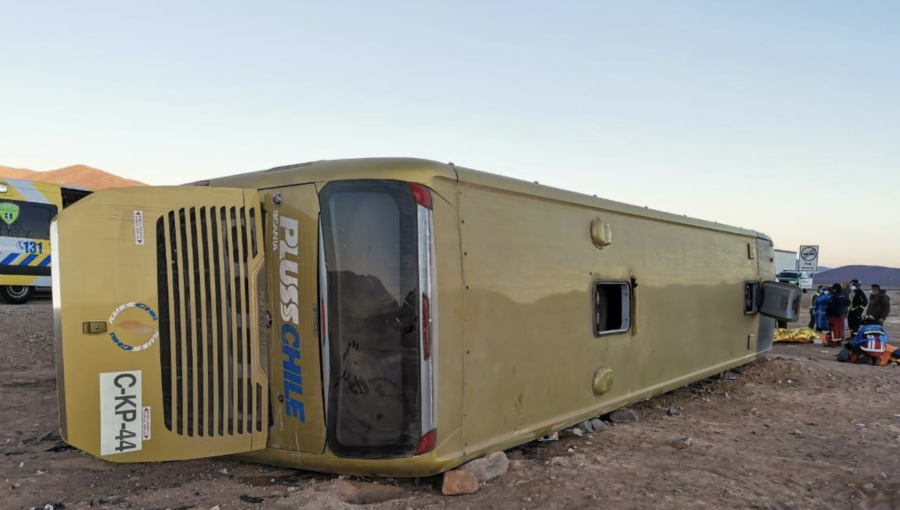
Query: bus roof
[{"x": 424, "y": 171}]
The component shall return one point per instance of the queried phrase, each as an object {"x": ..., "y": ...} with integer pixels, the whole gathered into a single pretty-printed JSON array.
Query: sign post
[{"x": 809, "y": 258}]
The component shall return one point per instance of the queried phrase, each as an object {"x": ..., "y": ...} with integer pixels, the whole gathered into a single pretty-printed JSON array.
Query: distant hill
[
  {"x": 887, "y": 277},
  {"x": 77, "y": 175}
]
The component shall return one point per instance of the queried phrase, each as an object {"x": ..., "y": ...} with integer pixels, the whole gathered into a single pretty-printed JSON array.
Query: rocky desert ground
[{"x": 794, "y": 431}]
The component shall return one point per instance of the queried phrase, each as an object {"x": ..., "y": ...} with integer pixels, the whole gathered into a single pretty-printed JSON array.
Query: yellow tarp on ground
[{"x": 802, "y": 335}]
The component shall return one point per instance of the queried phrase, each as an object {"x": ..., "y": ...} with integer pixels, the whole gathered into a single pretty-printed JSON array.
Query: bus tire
[{"x": 16, "y": 294}]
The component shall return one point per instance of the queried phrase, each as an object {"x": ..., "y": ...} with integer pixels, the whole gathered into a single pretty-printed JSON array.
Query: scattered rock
[
  {"x": 560, "y": 462},
  {"x": 251, "y": 499},
  {"x": 598, "y": 424},
  {"x": 217, "y": 507},
  {"x": 868, "y": 487},
  {"x": 587, "y": 426},
  {"x": 517, "y": 465},
  {"x": 673, "y": 412},
  {"x": 623, "y": 416},
  {"x": 682, "y": 443},
  {"x": 487, "y": 468},
  {"x": 459, "y": 481},
  {"x": 577, "y": 432},
  {"x": 797, "y": 433},
  {"x": 884, "y": 475}
]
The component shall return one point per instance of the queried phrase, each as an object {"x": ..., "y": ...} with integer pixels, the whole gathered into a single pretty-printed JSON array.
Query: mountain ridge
[
  {"x": 79, "y": 175},
  {"x": 887, "y": 277}
]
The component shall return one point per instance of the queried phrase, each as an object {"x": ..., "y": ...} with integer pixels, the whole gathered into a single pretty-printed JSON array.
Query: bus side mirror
[{"x": 780, "y": 301}]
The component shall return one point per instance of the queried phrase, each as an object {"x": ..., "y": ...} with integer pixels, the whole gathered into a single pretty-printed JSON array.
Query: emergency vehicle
[{"x": 26, "y": 210}]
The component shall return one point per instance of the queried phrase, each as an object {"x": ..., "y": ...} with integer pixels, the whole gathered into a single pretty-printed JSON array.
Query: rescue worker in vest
[
  {"x": 879, "y": 305},
  {"x": 837, "y": 311},
  {"x": 858, "y": 302},
  {"x": 812, "y": 306}
]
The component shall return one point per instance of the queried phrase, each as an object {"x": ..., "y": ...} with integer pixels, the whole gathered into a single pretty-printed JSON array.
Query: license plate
[{"x": 121, "y": 413}]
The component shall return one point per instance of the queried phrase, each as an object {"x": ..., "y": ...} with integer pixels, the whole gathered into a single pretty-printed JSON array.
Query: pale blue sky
[{"x": 778, "y": 116}]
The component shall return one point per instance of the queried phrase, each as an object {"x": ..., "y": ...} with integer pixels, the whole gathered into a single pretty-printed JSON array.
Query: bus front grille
[{"x": 206, "y": 334}]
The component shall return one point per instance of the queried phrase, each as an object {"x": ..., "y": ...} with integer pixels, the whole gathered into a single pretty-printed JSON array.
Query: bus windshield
[{"x": 370, "y": 244}]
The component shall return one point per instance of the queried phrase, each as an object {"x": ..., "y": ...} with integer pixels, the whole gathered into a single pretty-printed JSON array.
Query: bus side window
[
  {"x": 612, "y": 307},
  {"x": 751, "y": 298}
]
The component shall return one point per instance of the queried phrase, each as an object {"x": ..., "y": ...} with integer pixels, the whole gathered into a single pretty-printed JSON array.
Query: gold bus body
[{"x": 517, "y": 355}]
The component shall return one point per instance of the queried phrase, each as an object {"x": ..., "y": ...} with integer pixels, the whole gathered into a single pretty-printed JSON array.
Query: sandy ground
[{"x": 795, "y": 431}]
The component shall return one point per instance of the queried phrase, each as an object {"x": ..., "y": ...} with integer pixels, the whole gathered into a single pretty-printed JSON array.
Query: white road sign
[{"x": 809, "y": 258}]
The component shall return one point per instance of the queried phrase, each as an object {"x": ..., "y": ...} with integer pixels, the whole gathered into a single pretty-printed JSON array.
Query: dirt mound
[{"x": 81, "y": 176}]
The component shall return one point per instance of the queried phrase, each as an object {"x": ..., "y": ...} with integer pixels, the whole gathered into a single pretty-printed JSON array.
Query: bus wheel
[{"x": 16, "y": 294}]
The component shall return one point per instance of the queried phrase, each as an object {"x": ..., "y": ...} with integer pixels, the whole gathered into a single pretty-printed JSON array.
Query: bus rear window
[
  {"x": 25, "y": 220},
  {"x": 370, "y": 243}
]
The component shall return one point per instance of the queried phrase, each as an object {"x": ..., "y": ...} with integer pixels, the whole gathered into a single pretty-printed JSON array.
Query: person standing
[
  {"x": 836, "y": 312},
  {"x": 858, "y": 302},
  {"x": 845, "y": 292},
  {"x": 879, "y": 304},
  {"x": 821, "y": 310},
  {"x": 812, "y": 306}
]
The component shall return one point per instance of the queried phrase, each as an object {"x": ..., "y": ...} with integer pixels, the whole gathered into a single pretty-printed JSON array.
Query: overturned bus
[{"x": 392, "y": 317}]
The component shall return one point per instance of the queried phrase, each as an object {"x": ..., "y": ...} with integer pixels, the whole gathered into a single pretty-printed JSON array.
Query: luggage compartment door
[{"x": 780, "y": 301}]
